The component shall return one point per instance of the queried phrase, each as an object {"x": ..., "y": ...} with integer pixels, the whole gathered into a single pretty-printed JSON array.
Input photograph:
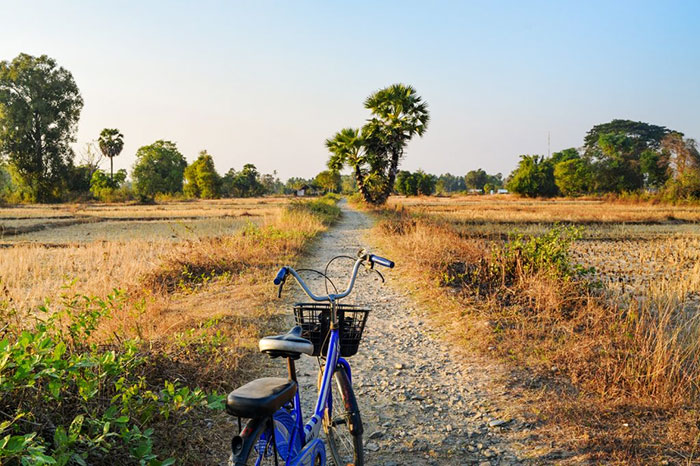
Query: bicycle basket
[{"x": 315, "y": 322}]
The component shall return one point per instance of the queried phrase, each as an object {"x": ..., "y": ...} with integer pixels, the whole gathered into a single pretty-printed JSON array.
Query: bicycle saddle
[
  {"x": 289, "y": 345},
  {"x": 261, "y": 397}
]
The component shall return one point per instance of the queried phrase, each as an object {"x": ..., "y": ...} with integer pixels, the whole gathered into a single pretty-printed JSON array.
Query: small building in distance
[{"x": 303, "y": 191}]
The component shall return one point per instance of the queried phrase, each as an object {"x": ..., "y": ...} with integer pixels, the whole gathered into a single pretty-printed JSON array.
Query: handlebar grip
[
  {"x": 381, "y": 261},
  {"x": 280, "y": 276}
]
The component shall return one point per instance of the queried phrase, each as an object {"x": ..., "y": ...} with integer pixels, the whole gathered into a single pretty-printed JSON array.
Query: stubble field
[
  {"x": 96, "y": 248},
  {"x": 593, "y": 303}
]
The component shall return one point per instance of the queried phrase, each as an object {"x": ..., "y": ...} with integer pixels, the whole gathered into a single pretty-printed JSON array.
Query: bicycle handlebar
[
  {"x": 281, "y": 275},
  {"x": 381, "y": 261},
  {"x": 284, "y": 271}
]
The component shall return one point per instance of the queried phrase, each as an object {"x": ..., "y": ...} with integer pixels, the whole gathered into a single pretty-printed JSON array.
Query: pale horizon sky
[{"x": 267, "y": 82}]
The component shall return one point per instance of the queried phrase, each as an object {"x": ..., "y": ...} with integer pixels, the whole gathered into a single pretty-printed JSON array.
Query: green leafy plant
[{"x": 69, "y": 400}]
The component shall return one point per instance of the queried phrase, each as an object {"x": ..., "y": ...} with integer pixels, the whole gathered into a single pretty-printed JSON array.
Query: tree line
[
  {"x": 40, "y": 105},
  {"x": 420, "y": 183},
  {"x": 617, "y": 157}
]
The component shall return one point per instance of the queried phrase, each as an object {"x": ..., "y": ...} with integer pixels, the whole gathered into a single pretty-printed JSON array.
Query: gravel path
[{"x": 421, "y": 403}]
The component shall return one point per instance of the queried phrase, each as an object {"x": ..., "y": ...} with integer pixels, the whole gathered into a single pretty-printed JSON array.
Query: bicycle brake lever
[
  {"x": 279, "y": 291},
  {"x": 378, "y": 273}
]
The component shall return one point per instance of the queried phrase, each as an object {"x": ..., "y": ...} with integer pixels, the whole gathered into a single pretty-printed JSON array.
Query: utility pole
[{"x": 548, "y": 144}]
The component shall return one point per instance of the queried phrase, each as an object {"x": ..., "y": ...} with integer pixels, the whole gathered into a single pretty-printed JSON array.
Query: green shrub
[
  {"x": 521, "y": 257},
  {"x": 332, "y": 197},
  {"x": 547, "y": 253},
  {"x": 68, "y": 400}
]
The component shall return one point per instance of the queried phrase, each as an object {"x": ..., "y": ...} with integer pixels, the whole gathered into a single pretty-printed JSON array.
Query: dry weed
[{"x": 623, "y": 355}]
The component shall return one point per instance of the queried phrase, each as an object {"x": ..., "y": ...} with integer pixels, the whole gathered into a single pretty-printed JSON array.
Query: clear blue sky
[{"x": 267, "y": 82}]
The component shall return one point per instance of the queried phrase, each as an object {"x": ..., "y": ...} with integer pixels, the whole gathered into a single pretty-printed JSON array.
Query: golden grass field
[
  {"x": 198, "y": 297},
  {"x": 613, "y": 359},
  {"x": 633, "y": 247},
  {"x": 102, "y": 247}
]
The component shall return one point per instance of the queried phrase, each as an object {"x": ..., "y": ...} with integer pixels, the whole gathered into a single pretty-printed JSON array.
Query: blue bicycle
[{"x": 276, "y": 433}]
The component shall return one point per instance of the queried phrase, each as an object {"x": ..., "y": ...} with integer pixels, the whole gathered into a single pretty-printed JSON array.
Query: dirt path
[{"x": 421, "y": 404}]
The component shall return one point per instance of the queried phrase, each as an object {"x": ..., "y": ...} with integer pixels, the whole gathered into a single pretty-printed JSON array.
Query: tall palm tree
[
  {"x": 374, "y": 152},
  {"x": 111, "y": 143},
  {"x": 399, "y": 113}
]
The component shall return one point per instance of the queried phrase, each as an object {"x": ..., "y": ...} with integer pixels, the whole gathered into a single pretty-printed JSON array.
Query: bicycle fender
[
  {"x": 242, "y": 445},
  {"x": 351, "y": 406},
  {"x": 313, "y": 451}
]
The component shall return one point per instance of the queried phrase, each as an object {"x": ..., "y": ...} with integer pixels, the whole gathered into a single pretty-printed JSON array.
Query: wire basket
[{"x": 315, "y": 322}]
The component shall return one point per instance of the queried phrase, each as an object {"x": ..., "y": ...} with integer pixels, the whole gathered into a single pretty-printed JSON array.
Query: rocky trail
[{"x": 421, "y": 402}]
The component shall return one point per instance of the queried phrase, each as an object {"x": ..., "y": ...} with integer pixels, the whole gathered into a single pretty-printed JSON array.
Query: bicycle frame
[
  {"x": 311, "y": 445},
  {"x": 311, "y": 430}
]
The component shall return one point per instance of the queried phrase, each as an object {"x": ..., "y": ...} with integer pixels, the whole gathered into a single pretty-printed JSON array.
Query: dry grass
[
  {"x": 513, "y": 210},
  {"x": 67, "y": 223},
  {"x": 197, "y": 305},
  {"x": 193, "y": 208},
  {"x": 99, "y": 256},
  {"x": 621, "y": 361}
]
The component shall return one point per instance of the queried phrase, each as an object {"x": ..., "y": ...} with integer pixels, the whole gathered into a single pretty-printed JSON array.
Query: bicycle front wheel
[{"x": 342, "y": 423}]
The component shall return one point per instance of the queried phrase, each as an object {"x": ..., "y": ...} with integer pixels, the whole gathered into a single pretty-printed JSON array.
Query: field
[
  {"x": 633, "y": 247},
  {"x": 593, "y": 304},
  {"x": 102, "y": 247},
  {"x": 132, "y": 319}
]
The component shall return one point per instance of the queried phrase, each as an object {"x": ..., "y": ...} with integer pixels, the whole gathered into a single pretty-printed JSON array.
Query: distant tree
[
  {"x": 201, "y": 178},
  {"x": 348, "y": 184},
  {"x": 111, "y": 143},
  {"x": 642, "y": 135},
  {"x": 405, "y": 184},
  {"x": 328, "y": 181},
  {"x": 5, "y": 182},
  {"x": 495, "y": 180},
  {"x": 78, "y": 180},
  {"x": 425, "y": 183},
  {"x": 533, "y": 177},
  {"x": 271, "y": 183},
  {"x": 681, "y": 154},
  {"x": 414, "y": 184},
  {"x": 617, "y": 166},
  {"x": 295, "y": 183},
  {"x": 564, "y": 155},
  {"x": 101, "y": 184},
  {"x": 159, "y": 169},
  {"x": 448, "y": 183},
  {"x": 490, "y": 188},
  {"x": 683, "y": 161},
  {"x": 476, "y": 179},
  {"x": 573, "y": 177},
  {"x": 40, "y": 106},
  {"x": 654, "y": 167},
  {"x": 90, "y": 156},
  {"x": 245, "y": 183},
  {"x": 374, "y": 153},
  {"x": 615, "y": 151}
]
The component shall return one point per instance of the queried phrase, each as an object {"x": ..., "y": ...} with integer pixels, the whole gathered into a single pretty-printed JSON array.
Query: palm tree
[
  {"x": 347, "y": 148},
  {"x": 398, "y": 114},
  {"x": 111, "y": 143}
]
